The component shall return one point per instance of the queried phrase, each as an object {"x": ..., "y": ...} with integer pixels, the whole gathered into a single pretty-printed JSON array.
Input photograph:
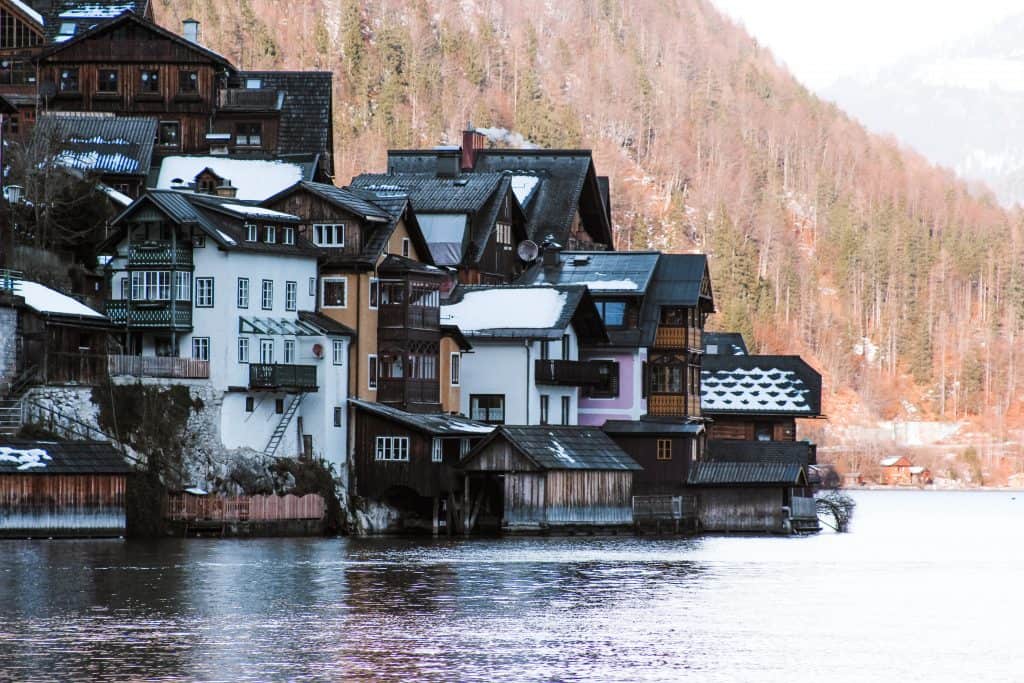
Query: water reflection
[{"x": 921, "y": 573}]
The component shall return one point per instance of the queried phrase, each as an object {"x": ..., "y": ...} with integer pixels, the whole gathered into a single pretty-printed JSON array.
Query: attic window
[
  {"x": 253, "y": 84},
  {"x": 67, "y": 28},
  {"x": 581, "y": 260}
]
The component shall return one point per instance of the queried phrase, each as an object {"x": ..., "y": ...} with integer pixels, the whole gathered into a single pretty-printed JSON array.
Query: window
[
  {"x": 504, "y": 233},
  {"x": 565, "y": 347},
  {"x": 250, "y": 404},
  {"x": 337, "y": 351},
  {"x": 613, "y": 313},
  {"x": 204, "y": 292},
  {"x": 266, "y": 351},
  {"x": 395, "y": 448},
  {"x": 673, "y": 316},
  {"x": 201, "y": 348},
  {"x": 374, "y": 292},
  {"x": 545, "y": 406},
  {"x": 566, "y": 409},
  {"x": 250, "y": 232},
  {"x": 464, "y": 447},
  {"x": 487, "y": 408},
  {"x": 124, "y": 289},
  {"x": 436, "y": 454},
  {"x": 168, "y": 133},
  {"x": 335, "y": 293},
  {"x": 405, "y": 247},
  {"x": 371, "y": 367},
  {"x": 456, "y": 368},
  {"x": 248, "y": 134},
  {"x": 269, "y": 234},
  {"x": 291, "y": 295},
  {"x": 69, "y": 80},
  {"x": 267, "y": 295},
  {"x": 253, "y": 84},
  {"x": 289, "y": 235},
  {"x": 149, "y": 81},
  {"x": 337, "y": 415},
  {"x": 329, "y": 235},
  {"x": 312, "y": 286},
  {"x": 609, "y": 385},
  {"x": 666, "y": 378},
  {"x": 243, "y": 349},
  {"x": 107, "y": 81},
  {"x": 151, "y": 285},
  {"x": 762, "y": 432},
  {"x": 664, "y": 449},
  {"x": 182, "y": 286},
  {"x": 545, "y": 350},
  {"x": 289, "y": 351},
  {"x": 278, "y": 405},
  {"x": 188, "y": 82},
  {"x": 243, "y": 292}
]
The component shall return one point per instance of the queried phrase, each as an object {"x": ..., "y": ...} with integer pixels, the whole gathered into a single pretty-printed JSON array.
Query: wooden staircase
[{"x": 282, "y": 426}]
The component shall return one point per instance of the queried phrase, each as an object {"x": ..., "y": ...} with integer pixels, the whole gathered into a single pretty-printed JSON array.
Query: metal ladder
[
  {"x": 12, "y": 416},
  {"x": 282, "y": 426}
]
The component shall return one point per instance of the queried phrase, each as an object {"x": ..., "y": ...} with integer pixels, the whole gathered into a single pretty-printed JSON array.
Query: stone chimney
[
  {"x": 472, "y": 142},
  {"x": 550, "y": 252},
  {"x": 227, "y": 190},
  {"x": 190, "y": 30}
]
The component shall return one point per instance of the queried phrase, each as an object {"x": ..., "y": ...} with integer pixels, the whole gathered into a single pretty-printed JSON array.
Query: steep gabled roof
[
  {"x": 27, "y": 456},
  {"x": 605, "y": 273},
  {"x": 523, "y": 312},
  {"x": 551, "y": 447},
  {"x": 759, "y": 385},
  {"x": 746, "y": 474},
  {"x": 255, "y": 176},
  {"x": 119, "y": 145},
  {"x": 431, "y": 424},
  {"x": 429, "y": 193},
  {"x": 342, "y": 197},
  {"x": 678, "y": 281}
]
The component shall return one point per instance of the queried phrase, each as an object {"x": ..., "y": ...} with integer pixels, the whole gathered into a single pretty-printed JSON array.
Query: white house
[
  {"x": 213, "y": 288},
  {"x": 525, "y": 365}
]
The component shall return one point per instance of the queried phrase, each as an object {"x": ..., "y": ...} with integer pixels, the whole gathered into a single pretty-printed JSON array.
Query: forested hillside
[{"x": 886, "y": 272}]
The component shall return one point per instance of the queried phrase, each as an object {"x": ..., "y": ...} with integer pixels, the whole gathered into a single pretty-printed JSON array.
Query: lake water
[{"x": 926, "y": 587}]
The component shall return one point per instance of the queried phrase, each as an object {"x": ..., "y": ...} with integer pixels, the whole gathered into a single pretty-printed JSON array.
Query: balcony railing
[
  {"x": 158, "y": 366},
  {"x": 151, "y": 314},
  {"x": 10, "y": 280},
  {"x": 247, "y": 99},
  {"x": 278, "y": 376},
  {"x": 666, "y": 405},
  {"x": 407, "y": 390},
  {"x": 415, "y": 317},
  {"x": 669, "y": 337},
  {"x": 151, "y": 254},
  {"x": 573, "y": 373}
]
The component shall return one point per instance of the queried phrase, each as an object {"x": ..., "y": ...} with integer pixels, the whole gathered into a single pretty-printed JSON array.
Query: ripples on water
[{"x": 925, "y": 588}]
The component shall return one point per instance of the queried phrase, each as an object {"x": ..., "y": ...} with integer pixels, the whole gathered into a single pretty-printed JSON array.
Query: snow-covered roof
[
  {"x": 258, "y": 211},
  {"x": 505, "y": 308},
  {"x": 36, "y": 16},
  {"x": 96, "y": 11},
  {"x": 890, "y": 461},
  {"x": 256, "y": 179},
  {"x": 24, "y": 458},
  {"x": 917, "y": 469},
  {"x": 118, "y": 197},
  {"x": 523, "y": 186},
  {"x": 42, "y": 299},
  {"x": 779, "y": 385},
  {"x": 96, "y": 161}
]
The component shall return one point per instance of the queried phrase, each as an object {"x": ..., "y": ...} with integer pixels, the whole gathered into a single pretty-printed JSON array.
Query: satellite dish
[{"x": 528, "y": 250}]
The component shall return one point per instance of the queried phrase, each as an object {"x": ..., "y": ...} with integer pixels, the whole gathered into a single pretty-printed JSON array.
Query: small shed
[
  {"x": 61, "y": 488},
  {"x": 751, "y": 496},
  {"x": 541, "y": 477},
  {"x": 895, "y": 471}
]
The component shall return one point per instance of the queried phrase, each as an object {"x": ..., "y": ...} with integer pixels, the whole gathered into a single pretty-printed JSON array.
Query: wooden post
[
  {"x": 465, "y": 507},
  {"x": 437, "y": 513}
]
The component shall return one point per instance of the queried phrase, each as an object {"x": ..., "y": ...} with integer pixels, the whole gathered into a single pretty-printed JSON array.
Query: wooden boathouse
[
  {"x": 758, "y": 497},
  {"x": 545, "y": 477},
  {"x": 61, "y": 489}
]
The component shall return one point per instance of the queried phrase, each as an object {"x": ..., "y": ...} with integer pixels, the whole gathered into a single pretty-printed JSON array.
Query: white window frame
[
  {"x": 243, "y": 349},
  {"x": 464, "y": 447},
  {"x": 270, "y": 234},
  {"x": 374, "y": 294},
  {"x": 338, "y": 351},
  {"x": 270, "y": 344},
  {"x": 323, "y": 288},
  {"x": 204, "y": 299},
  {"x": 289, "y": 235},
  {"x": 252, "y": 232},
  {"x": 182, "y": 286},
  {"x": 406, "y": 247},
  {"x": 242, "y": 293},
  {"x": 267, "y": 293},
  {"x": 372, "y": 372},
  {"x": 329, "y": 234},
  {"x": 455, "y": 368},
  {"x": 151, "y": 285},
  {"x": 312, "y": 286},
  {"x": 391, "y": 449},
  {"x": 289, "y": 351},
  {"x": 339, "y": 416},
  {"x": 291, "y": 295},
  {"x": 566, "y": 410},
  {"x": 201, "y": 348},
  {"x": 436, "y": 452}
]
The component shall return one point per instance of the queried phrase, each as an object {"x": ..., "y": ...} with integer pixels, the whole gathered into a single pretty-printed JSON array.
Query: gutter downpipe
[{"x": 526, "y": 346}]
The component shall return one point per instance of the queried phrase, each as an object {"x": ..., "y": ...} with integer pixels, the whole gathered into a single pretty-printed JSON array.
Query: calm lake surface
[{"x": 926, "y": 587}]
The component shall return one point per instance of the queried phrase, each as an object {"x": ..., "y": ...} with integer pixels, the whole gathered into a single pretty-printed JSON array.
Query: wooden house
[
  {"x": 472, "y": 223},
  {"x": 409, "y": 461},
  {"x": 22, "y": 38},
  {"x": 541, "y": 478},
  {"x": 752, "y": 497},
  {"x": 58, "y": 489},
  {"x": 665, "y": 449},
  {"x": 895, "y": 471}
]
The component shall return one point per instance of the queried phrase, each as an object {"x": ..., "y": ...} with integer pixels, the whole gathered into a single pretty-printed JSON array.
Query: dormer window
[
  {"x": 289, "y": 235},
  {"x": 269, "y": 234},
  {"x": 250, "y": 232},
  {"x": 69, "y": 80},
  {"x": 329, "y": 235},
  {"x": 149, "y": 81},
  {"x": 253, "y": 84}
]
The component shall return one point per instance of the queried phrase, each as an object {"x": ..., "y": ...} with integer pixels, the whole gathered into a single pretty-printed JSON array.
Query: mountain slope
[{"x": 825, "y": 240}]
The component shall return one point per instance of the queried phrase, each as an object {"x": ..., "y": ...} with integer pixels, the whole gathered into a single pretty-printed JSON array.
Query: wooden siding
[
  {"x": 589, "y": 497},
  {"x": 745, "y": 428},
  {"x": 743, "y": 510},
  {"x": 524, "y": 500},
  {"x": 314, "y": 209},
  {"x": 268, "y": 508},
  {"x": 499, "y": 456},
  {"x": 658, "y": 476},
  {"x": 62, "y": 504}
]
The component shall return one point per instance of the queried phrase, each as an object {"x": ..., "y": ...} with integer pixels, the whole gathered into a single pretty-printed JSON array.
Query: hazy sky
[{"x": 822, "y": 40}]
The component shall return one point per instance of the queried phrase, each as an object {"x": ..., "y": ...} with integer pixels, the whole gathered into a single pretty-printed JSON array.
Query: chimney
[
  {"x": 550, "y": 252},
  {"x": 227, "y": 190},
  {"x": 190, "y": 29},
  {"x": 447, "y": 163},
  {"x": 472, "y": 142}
]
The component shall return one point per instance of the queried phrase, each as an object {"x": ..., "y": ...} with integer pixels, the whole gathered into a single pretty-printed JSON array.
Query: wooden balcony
[
  {"x": 410, "y": 317},
  {"x": 151, "y": 314},
  {"x": 159, "y": 255},
  {"x": 572, "y": 373},
  {"x": 282, "y": 377},
  {"x": 666, "y": 405},
  {"x": 406, "y": 391},
  {"x": 677, "y": 338},
  {"x": 158, "y": 366},
  {"x": 245, "y": 99}
]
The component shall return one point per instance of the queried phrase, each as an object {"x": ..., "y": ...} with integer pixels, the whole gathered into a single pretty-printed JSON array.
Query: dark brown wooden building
[
  {"x": 61, "y": 488},
  {"x": 665, "y": 449},
  {"x": 542, "y": 477},
  {"x": 752, "y": 497}
]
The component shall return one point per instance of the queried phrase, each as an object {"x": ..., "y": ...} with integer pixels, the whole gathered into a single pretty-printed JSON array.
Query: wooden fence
[{"x": 269, "y": 508}]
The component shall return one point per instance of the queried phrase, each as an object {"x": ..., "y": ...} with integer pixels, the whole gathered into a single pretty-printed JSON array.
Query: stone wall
[{"x": 8, "y": 347}]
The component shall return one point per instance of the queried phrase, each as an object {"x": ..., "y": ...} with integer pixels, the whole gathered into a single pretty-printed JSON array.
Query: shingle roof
[
  {"x": 745, "y": 474},
  {"x": 346, "y": 199},
  {"x": 85, "y": 14},
  {"x": 604, "y": 272},
  {"x": 729, "y": 450},
  {"x": 434, "y": 424},
  {"x": 121, "y": 145},
  {"x": 326, "y": 325},
  {"x": 465, "y": 193},
  {"x": 306, "y": 124},
  {"x": 26, "y": 456},
  {"x": 724, "y": 344},
  {"x": 676, "y": 282},
  {"x": 652, "y": 427},
  {"x": 552, "y": 447},
  {"x": 773, "y": 385}
]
